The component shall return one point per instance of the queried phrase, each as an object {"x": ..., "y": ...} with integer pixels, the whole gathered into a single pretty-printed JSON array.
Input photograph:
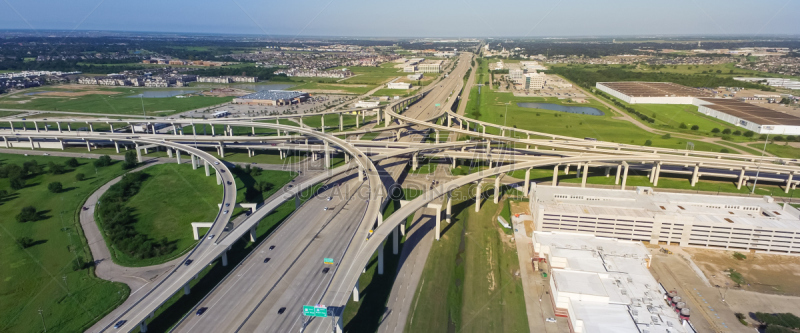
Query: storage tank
[
  {"x": 679, "y": 306},
  {"x": 672, "y": 294},
  {"x": 675, "y": 300},
  {"x": 684, "y": 314}
]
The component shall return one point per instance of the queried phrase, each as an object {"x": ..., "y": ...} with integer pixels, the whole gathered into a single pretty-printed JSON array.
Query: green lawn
[
  {"x": 780, "y": 150},
  {"x": 469, "y": 282},
  {"x": 372, "y": 75},
  {"x": 117, "y": 103},
  {"x": 41, "y": 276},
  {"x": 170, "y": 199},
  {"x": 490, "y": 106}
]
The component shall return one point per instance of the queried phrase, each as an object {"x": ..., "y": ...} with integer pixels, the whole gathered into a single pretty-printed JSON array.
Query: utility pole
[{"x": 41, "y": 315}]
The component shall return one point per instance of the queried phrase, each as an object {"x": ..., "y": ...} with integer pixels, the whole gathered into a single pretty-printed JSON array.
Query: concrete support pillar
[
  {"x": 143, "y": 326},
  {"x": 178, "y": 156},
  {"x": 652, "y": 173},
  {"x": 355, "y": 293},
  {"x": 585, "y": 174},
  {"x": 388, "y": 119},
  {"x": 789, "y": 182},
  {"x": 138, "y": 154},
  {"x": 88, "y": 146},
  {"x": 30, "y": 139},
  {"x": 449, "y": 209},
  {"x": 566, "y": 169},
  {"x": 657, "y": 174},
  {"x": 322, "y": 120},
  {"x": 221, "y": 150},
  {"x": 194, "y": 161},
  {"x": 454, "y": 162},
  {"x": 380, "y": 258},
  {"x": 578, "y": 170},
  {"x": 695, "y": 174},
  {"x": 169, "y": 152},
  {"x": 608, "y": 172},
  {"x": 497, "y": 189},
  {"x": 327, "y": 156},
  {"x": 212, "y": 130},
  {"x": 414, "y": 164},
  {"x": 438, "y": 222},
  {"x": 253, "y": 235},
  {"x": 437, "y": 136},
  {"x": 208, "y": 169},
  {"x": 402, "y": 229},
  {"x": 380, "y": 219},
  {"x": 395, "y": 240},
  {"x": 478, "y": 197},
  {"x": 297, "y": 201},
  {"x": 357, "y": 124},
  {"x": 187, "y": 289},
  {"x": 91, "y": 128},
  {"x": 555, "y": 175},
  {"x": 360, "y": 173},
  {"x": 116, "y": 146},
  {"x": 69, "y": 128},
  {"x": 219, "y": 178},
  {"x": 60, "y": 143},
  {"x": 398, "y": 134},
  {"x": 527, "y": 184},
  {"x": 225, "y": 258},
  {"x": 36, "y": 126},
  {"x": 741, "y": 179},
  {"x": 616, "y": 178},
  {"x": 59, "y": 127},
  {"x": 11, "y": 124},
  {"x": 624, "y": 175},
  {"x": 341, "y": 125}
]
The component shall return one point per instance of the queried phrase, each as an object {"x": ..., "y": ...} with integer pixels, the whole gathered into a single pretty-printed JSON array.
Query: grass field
[
  {"x": 490, "y": 106},
  {"x": 725, "y": 69},
  {"x": 779, "y": 150},
  {"x": 117, "y": 103},
  {"x": 372, "y": 75},
  {"x": 170, "y": 199},
  {"x": 470, "y": 281},
  {"x": 41, "y": 276}
]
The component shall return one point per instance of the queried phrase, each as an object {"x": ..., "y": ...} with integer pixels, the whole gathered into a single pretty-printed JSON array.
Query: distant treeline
[
  {"x": 588, "y": 78},
  {"x": 118, "y": 220}
]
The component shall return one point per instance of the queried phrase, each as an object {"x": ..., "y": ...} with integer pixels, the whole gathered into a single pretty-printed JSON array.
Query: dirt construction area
[{"x": 699, "y": 278}]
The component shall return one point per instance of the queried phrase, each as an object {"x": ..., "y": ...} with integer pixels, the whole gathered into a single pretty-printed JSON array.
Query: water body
[
  {"x": 563, "y": 108},
  {"x": 163, "y": 93}
]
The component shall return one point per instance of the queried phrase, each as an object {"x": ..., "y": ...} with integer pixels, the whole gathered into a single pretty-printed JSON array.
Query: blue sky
[{"x": 411, "y": 18}]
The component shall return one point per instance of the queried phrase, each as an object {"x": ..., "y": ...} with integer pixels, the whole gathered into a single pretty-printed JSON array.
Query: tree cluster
[
  {"x": 588, "y": 78},
  {"x": 629, "y": 109},
  {"x": 781, "y": 320},
  {"x": 118, "y": 220}
]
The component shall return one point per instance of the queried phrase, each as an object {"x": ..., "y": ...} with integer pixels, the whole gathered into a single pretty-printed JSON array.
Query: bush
[
  {"x": 737, "y": 132},
  {"x": 726, "y": 137},
  {"x": 791, "y": 138},
  {"x": 715, "y": 130},
  {"x": 666, "y": 136},
  {"x": 17, "y": 182},
  {"x": 73, "y": 163},
  {"x": 726, "y": 131},
  {"x": 749, "y": 134},
  {"x": 80, "y": 177},
  {"x": 778, "y": 138},
  {"x": 683, "y": 126},
  {"x": 131, "y": 161},
  {"x": 55, "y": 187},
  {"x": 56, "y": 169},
  {"x": 695, "y": 127},
  {"x": 103, "y": 161},
  {"x": 648, "y": 143},
  {"x": 739, "y": 256},
  {"x": 724, "y": 151},
  {"x": 28, "y": 214},
  {"x": 79, "y": 263},
  {"x": 25, "y": 242}
]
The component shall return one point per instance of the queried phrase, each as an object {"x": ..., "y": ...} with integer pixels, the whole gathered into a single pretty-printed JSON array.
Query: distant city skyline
[{"x": 414, "y": 18}]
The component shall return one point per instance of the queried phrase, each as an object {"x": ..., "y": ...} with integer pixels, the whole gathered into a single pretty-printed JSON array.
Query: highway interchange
[{"x": 250, "y": 297}]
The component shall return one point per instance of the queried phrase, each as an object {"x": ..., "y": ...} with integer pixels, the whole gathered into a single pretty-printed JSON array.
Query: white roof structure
[{"x": 604, "y": 285}]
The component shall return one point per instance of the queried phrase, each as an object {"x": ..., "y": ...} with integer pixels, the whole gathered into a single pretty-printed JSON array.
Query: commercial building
[
  {"x": 636, "y": 92},
  {"x": 410, "y": 69},
  {"x": 532, "y": 65},
  {"x": 398, "y": 85},
  {"x": 417, "y": 76},
  {"x": 272, "y": 97},
  {"x": 434, "y": 66},
  {"x": 516, "y": 75},
  {"x": 755, "y": 224},
  {"x": 749, "y": 116},
  {"x": 774, "y": 82},
  {"x": 226, "y": 79},
  {"x": 534, "y": 81},
  {"x": 366, "y": 104},
  {"x": 604, "y": 285}
]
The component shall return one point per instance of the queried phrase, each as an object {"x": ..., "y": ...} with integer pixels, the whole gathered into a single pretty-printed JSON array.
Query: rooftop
[
  {"x": 274, "y": 95},
  {"x": 750, "y": 212},
  {"x": 752, "y": 113},
  {"x": 655, "y": 89},
  {"x": 606, "y": 283}
]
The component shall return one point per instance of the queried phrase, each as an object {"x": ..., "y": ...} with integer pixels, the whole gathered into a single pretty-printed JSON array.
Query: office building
[{"x": 534, "y": 81}]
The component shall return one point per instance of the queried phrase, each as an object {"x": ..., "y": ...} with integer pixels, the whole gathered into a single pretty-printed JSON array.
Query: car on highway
[
  {"x": 325, "y": 270},
  {"x": 282, "y": 310},
  {"x": 329, "y": 198},
  {"x": 188, "y": 262},
  {"x": 46, "y": 154},
  {"x": 216, "y": 163},
  {"x": 200, "y": 311},
  {"x": 550, "y": 320},
  {"x": 222, "y": 170},
  {"x": 227, "y": 204},
  {"x": 211, "y": 236},
  {"x": 85, "y": 208},
  {"x": 271, "y": 247},
  {"x": 120, "y": 323},
  {"x": 266, "y": 260},
  {"x": 326, "y": 208},
  {"x": 229, "y": 183},
  {"x": 225, "y": 212}
]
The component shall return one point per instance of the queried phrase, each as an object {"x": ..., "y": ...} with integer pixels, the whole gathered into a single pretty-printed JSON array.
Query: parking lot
[{"x": 317, "y": 103}]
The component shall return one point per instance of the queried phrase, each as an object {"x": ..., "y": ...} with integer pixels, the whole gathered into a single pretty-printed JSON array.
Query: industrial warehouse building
[
  {"x": 724, "y": 222},
  {"x": 604, "y": 285},
  {"x": 635, "y": 92},
  {"x": 272, "y": 97},
  {"x": 751, "y": 117},
  {"x": 398, "y": 85}
]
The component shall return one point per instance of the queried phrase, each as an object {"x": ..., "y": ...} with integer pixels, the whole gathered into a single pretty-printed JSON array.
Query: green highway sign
[
  {"x": 437, "y": 104},
  {"x": 315, "y": 310},
  {"x": 328, "y": 261}
]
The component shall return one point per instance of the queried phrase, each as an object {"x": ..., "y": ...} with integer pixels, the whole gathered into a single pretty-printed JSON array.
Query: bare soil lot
[{"x": 764, "y": 273}]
